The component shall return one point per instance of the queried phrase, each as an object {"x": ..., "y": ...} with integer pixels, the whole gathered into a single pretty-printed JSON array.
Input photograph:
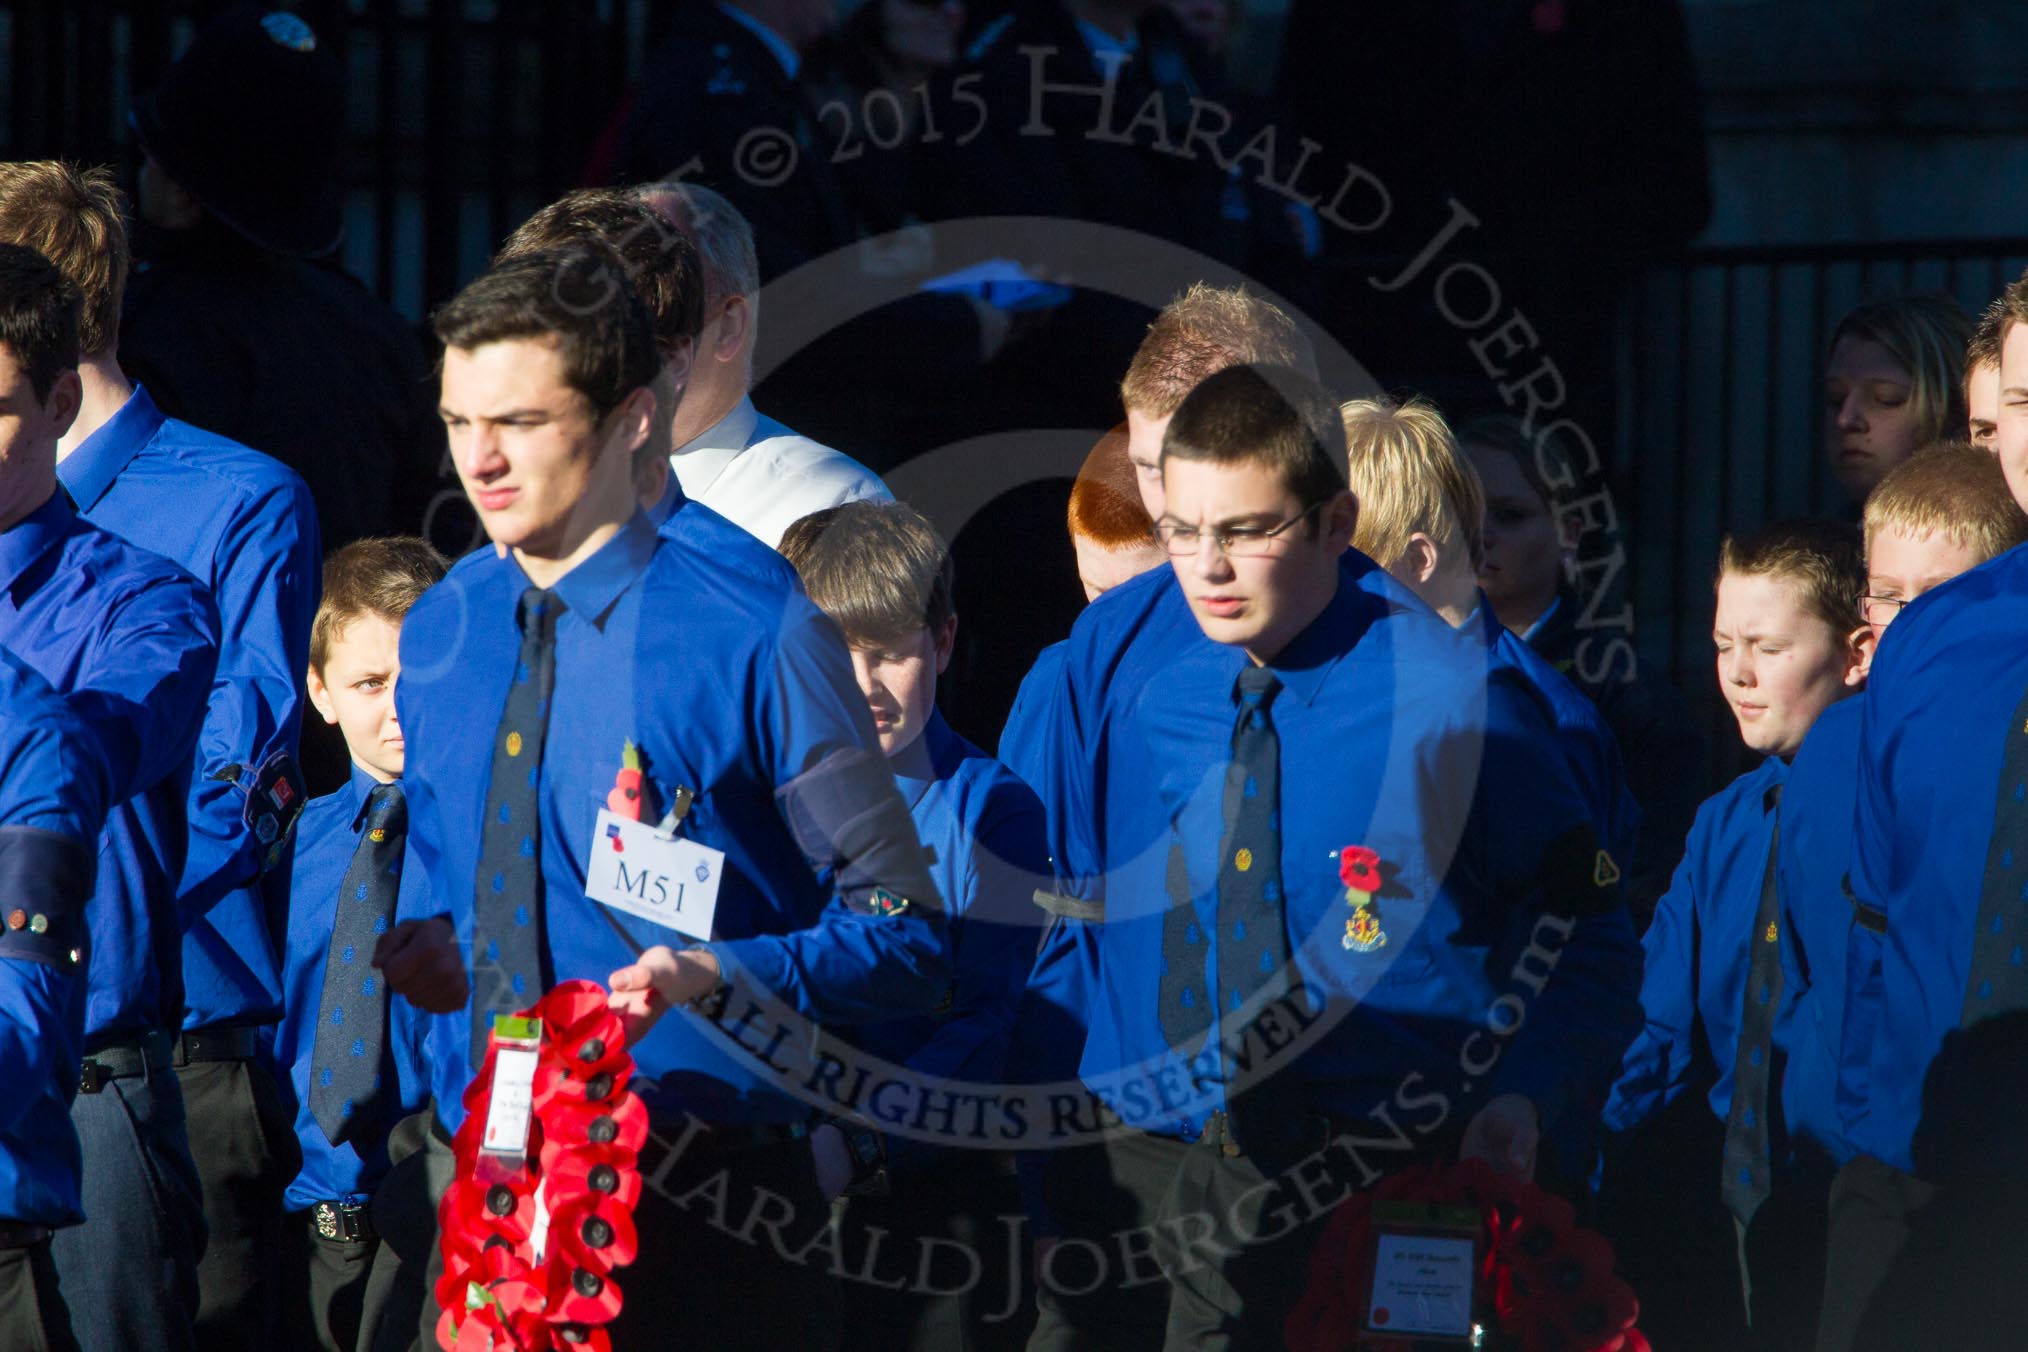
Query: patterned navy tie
[
  {"x": 345, "y": 1080},
  {"x": 1253, "y": 940},
  {"x": 1999, "y": 978},
  {"x": 1748, "y": 1175},
  {"x": 508, "y": 952}
]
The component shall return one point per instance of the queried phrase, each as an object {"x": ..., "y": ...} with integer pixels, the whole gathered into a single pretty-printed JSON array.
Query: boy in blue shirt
[
  {"x": 527, "y": 675},
  {"x": 131, "y": 641},
  {"x": 880, "y": 571},
  {"x": 352, "y": 1078},
  {"x": 243, "y": 525},
  {"x": 52, "y": 806},
  {"x": 1941, "y": 741},
  {"x": 1940, "y": 513},
  {"x": 1420, "y": 505},
  {"x": 1362, "y": 845},
  {"x": 1717, "y": 1017}
]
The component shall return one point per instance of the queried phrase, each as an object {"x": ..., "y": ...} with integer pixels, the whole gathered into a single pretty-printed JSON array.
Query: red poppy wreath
[
  {"x": 529, "y": 1250},
  {"x": 1550, "y": 1285}
]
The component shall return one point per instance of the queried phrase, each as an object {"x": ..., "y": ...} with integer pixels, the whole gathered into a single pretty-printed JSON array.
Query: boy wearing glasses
[
  {"x": 1718, "y": 1016},
  {"x": 1942, "y": 513},
  {"x": 1349, "y": 873}
]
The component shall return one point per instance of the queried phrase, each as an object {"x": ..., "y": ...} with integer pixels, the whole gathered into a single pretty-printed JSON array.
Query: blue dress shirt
[
  {"x": 243, "y": 525},
  {"x": 1589, "y": 747},
  {"x": 732, "y": 687},
  {"x": 326, "y": 839},
  {"x": 1393, "y": 737},
  {"x": 1694, "y": 989},
  {"x": 1830, "y": 966},
  {"x": 1026, "y": 732},
  {"x": 52, "y": 780},
  {"x": 131, "y": 641},
  {"x": 986, "y": 828},
  {"x": 1939, "y": 700}
]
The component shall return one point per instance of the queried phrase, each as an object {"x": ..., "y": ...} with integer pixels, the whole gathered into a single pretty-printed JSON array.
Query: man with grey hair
[{"x": 730, "y": 457}]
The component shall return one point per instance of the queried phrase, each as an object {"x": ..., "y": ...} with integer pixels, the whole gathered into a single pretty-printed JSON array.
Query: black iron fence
[
  {"x": 464, "y": 115},
  {"x": 1720, "y": 411}
]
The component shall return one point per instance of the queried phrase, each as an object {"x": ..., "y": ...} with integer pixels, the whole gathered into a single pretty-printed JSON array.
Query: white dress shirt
[{"x": 762, "y": 477}]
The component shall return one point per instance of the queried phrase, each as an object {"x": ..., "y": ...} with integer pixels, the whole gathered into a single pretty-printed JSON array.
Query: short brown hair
[
  {"x": 38, "y": 317},
  {"x": 1405, "y": 467},
  {"x": 1203, "y": 331},
  {"x": 74, "y": 217},
  {"x": 2013, "y": 303},
  {"x": 1953, "y": 487},
  {"x": 1984, "y": 348},
  {"x": 1820, "y": 558},
  {"x": 379, "y": 575},
  {"x": 1266, "y": 415},
  {"x": 659, "y": 259},
  {"x": 576, "y": 296},
  {"x": 1105, "y": 502},
  {"x": 1926, "y": 333},
  {"x": 878, "y": 568}
]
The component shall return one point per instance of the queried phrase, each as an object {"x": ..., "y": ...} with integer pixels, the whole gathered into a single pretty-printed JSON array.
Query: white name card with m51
[{"x": 667, "y": 880}]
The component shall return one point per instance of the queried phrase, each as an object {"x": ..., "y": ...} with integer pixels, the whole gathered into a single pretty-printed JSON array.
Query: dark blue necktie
[
  {"x": 507, "y": 942},
  {"x": 1999, "y": 978},
  {"x": 345, "y": 1081},
  {"x": 1253, "y": 940},
  {"x": 1748, "y": 1174}
]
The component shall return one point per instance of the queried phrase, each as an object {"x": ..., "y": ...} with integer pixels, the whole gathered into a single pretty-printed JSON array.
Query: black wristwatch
[
  {"x": 867, "y": 1151},
  {"x": 711, "y": 1004}
]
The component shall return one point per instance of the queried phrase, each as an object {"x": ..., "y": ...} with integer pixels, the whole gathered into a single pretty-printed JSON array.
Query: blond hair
[
  {"x": 1926, "y": 333},
  {"x": 1952, "y": 487},
  {"x": 1204, "y": 331},
  {"x": 1405, "y": 468},
  {"x": 74, "y": 217}
]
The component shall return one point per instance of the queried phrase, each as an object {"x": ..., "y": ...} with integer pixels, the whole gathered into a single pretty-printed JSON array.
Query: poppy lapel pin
[{"x": 1359, "y": 870}]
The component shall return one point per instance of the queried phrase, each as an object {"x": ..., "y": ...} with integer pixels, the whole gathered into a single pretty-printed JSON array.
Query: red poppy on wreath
[
  {"x": 1359, "y": 868},
  {"x": 530, "y": 1242},
  {"x": 1548, "y": 1285}
]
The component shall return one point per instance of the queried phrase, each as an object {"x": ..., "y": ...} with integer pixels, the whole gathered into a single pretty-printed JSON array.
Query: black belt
[
  {"x": 347, "y": 1221},
  {"x": 729, "y": 1139},
  {"x": 218, "y": 1044},
  {"x": 22, "y": 1235},
  {"x": 124, "y": 1058},
  {"x": 1865, "y": 917}
]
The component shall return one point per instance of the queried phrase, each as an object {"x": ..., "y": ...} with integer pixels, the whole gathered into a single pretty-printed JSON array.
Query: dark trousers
[
  {"x": 737, "y": 1248},
  {"x": 1177, "y": 1245},
  {"x": 32, "y": 1313},
  {"x": 243, "y": 1142},
  {"x": 1871, "y": 1207},
  {"x": 367, "y": 1295},
  {"x": 1781, "y": 1263},
  {"x": 129, "y": 1273},
  {"x": 931, "y": 1267}
]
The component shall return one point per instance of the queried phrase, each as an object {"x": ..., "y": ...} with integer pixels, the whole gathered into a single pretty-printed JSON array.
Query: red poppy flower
[{"x": 1359, "y": 867}]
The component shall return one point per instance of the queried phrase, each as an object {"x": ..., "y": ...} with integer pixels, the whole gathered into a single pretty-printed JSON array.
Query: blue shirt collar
[
  {"x": 1542, "y": 620},
  {"x": 673, "y": 497},
  {"x": 1308, "y": 659},
  {"x": 361, "y": 786},
  {"x": 33, "y": 536},
  {"x": 589, "y": 590},
  {"x": 90, "y": 470},
  {"x": 777, "y": 45}
]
